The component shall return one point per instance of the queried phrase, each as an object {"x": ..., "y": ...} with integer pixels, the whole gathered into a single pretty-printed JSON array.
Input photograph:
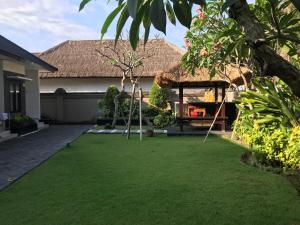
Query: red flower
[
  {"x": 187, "y": 42},
  {"x": 203, "y": 52},
  {"x": 202, "y": 15}
]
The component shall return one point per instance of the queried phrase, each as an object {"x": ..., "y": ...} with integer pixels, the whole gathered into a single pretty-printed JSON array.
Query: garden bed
[{"x": 22, "y": 124}]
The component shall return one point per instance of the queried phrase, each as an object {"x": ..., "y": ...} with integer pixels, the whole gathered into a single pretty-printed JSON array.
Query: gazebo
[{"x": 202, "y": 112}]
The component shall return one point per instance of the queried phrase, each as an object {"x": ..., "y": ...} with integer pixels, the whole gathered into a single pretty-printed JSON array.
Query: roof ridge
[
  {"x": 175, "y": 47},
  {"x": 50, "y": 50}
]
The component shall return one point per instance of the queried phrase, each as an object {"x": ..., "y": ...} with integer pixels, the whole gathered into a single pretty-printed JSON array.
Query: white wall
[
  {"x": 84, "y": 85},
  {"x": 32, "y": 95},
  {"x": 14, "y": 66},
  {"x": 73, "y": 108}
]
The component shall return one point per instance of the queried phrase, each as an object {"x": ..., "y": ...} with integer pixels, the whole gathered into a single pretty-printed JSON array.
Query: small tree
[
  {"x": 130, "y": 62},
  {"x": 158, "y": 96},
  {"x": 107, "y": 104}
]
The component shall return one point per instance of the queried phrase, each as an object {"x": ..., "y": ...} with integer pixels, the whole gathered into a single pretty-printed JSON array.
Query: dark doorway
[{"x": 14, "y": 94}]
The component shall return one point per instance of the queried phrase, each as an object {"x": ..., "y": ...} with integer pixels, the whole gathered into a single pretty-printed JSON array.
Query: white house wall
[
  {"x": 32, "y": 94},
  {"x": 88, "y": 85}
]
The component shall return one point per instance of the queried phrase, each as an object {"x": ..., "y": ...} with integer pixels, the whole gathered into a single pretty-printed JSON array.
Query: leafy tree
[
  {"x": 107, "y": 104},
  {"x": 158, "y": 96},
  {"x": 215, "y": 41},
  {"x": 155, "y": 12},
  {"x": 128, "y": 62}
]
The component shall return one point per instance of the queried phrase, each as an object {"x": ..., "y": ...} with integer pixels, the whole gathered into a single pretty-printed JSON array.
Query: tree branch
[{"x": 271, "y": 63}]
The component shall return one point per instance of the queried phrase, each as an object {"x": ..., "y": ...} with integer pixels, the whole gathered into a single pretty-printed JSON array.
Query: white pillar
[
  {"x": 2, "y": 107},
  {"x": 1, "y": 88},
  {"x": 32, "y": 95}
]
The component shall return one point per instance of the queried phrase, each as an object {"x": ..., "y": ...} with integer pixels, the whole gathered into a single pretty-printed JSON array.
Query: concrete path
[
  {"x": 18, "y": 156},
  {"x": 118, "y": 131}
]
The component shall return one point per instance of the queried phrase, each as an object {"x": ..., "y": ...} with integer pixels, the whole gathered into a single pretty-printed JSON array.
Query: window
[{"x": 15, "y": 97}]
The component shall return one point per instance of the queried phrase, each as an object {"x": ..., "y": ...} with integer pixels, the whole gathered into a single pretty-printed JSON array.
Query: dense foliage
[
  {"x": 156, "y": 12},
  {"x": 215, "y": 40},
  {"x": 125, "y": 107},
  {"x": 107, "y": 103},
  {"x": 270, "y": 122},
  {"x": 164, "y": 119},
  {"x": 158, "y": 96},
  {"x": 264, "y": 26},
  {"x": 22, "y": 124}
]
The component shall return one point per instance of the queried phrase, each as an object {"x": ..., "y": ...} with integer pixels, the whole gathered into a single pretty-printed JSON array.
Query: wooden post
[
  {"x": 216, "y": 118},
  {"x": 223, "y": 113},
  {"x": 130, "y": 111},
  {"x": 141, "y": 119},
  {"x": 223, "y": 92},
  {"x": 216, "y": 94},
  {"x": 181, "y": 107}
]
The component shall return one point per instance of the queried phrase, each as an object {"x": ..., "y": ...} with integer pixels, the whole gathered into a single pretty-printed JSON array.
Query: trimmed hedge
[{"x": 22, "y": 124}]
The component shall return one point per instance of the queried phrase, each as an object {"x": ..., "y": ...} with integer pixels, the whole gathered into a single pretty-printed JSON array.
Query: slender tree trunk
[
  {"x": 270, "y": 63},
  {"x": 117, "y": 101},
  {"x": 116, "y": 111},
  {"x": 131, "y": 110}
]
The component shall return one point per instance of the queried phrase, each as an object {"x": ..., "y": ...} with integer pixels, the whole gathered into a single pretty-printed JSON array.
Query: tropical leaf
[
  {"x": 198, "y": 2},
  {"x": 170, "y": 13},
  {"x": 132, "y": 7},
  {"x": 83, "y": 4},
  {"x": 135, "y": 26},
  {"x": 296, "y": 4},
  {"x": 158, "y": 15},
  {"x": 146, "y": 23},
  {"x": 227, "y": 4},
  {"x": 272, "y": 101},
  {"x": 110, "y": 18},
  {"x": 183, "y": 12},
  {"x": 121, "y": 22}
]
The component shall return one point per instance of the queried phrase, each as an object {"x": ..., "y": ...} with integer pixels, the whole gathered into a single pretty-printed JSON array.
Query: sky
[{"x": 38, "y": 25}]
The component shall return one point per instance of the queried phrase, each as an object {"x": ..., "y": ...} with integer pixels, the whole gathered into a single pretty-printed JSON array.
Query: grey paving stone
[{"x": 18, "y": 156}]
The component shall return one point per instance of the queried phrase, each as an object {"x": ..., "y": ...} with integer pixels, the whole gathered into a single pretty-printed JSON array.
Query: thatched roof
[
  {"x": 80, "y": 59},
  {"x": 177, "y": 75}
]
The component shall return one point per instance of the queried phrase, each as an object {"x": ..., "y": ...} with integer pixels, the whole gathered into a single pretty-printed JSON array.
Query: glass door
[{"x": 15, "y": 97}]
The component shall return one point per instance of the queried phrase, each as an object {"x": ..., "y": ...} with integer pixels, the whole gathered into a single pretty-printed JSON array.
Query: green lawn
[{"x": 105, "y": 179}]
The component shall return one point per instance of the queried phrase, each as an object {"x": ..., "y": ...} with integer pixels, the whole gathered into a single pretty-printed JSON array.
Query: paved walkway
[
  {"x": 18, "y": 156},
  {"x": 118, "y": 131}
]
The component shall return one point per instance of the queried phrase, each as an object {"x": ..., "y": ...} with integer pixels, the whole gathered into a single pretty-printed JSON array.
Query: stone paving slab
[
  {"x": 117, "y": 131},
  {"x": 20, "y": 155}
]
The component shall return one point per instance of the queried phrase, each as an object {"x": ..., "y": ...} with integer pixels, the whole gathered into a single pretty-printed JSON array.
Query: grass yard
[{"x": 105, "y": 179}]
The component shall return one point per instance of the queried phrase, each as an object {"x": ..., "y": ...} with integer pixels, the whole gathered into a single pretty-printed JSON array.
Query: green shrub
[
  {"x": 269, "y": 123},
  {"x": 163, "y": 120},
  {"x": 158, "y": 96},
  {"x": 22, "y": 124},
  {"x": 125, "y": 107},
  {"x": 107, "y": 104},
  {"x": 292, "y": 153},
  {"x": 151, "y": 112}
]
